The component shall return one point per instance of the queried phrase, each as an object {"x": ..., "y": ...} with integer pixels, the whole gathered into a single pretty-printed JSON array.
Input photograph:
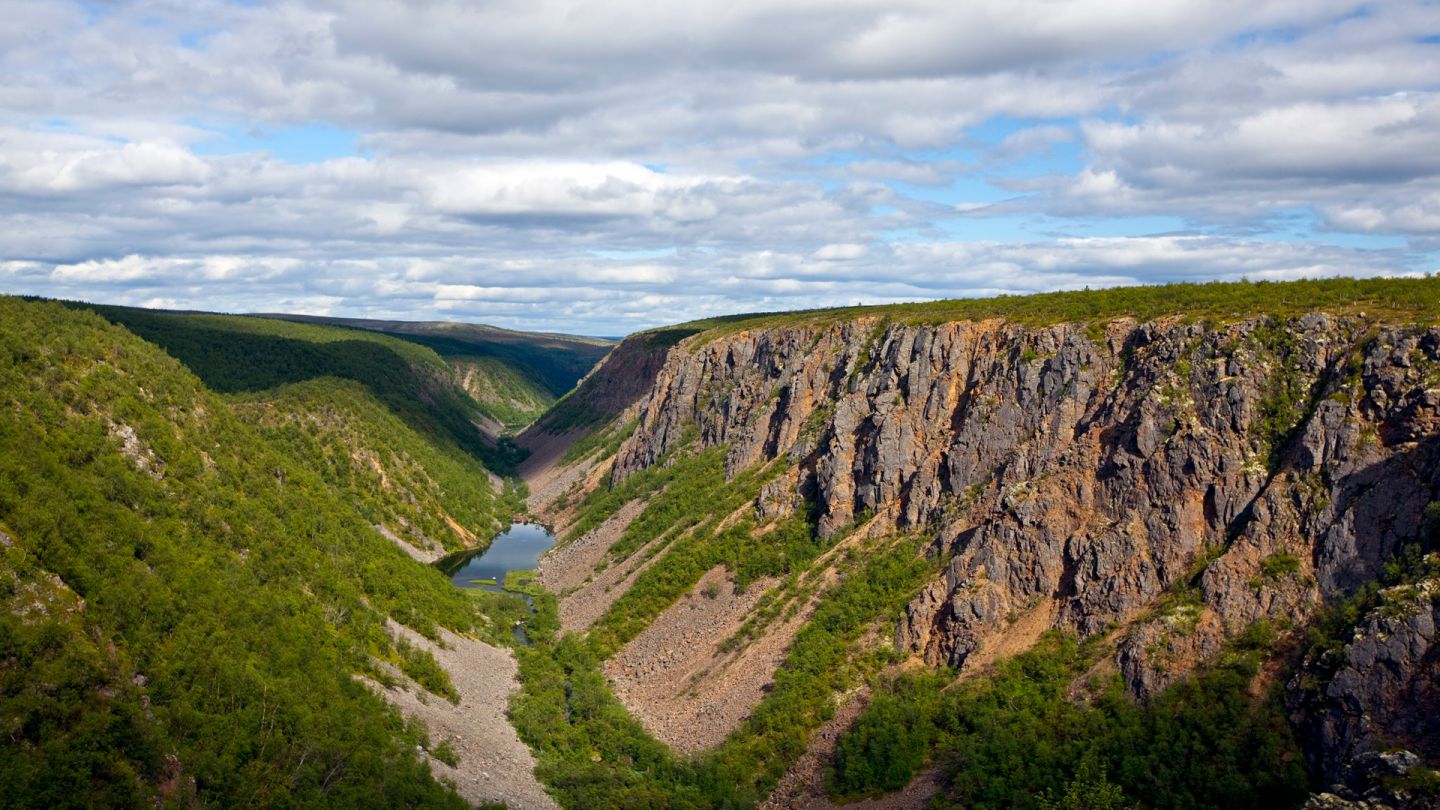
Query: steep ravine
[{"x": 1178, "y": 479}]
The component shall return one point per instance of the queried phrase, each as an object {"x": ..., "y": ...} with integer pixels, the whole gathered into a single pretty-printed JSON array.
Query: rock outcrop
[
  {"x": 1244, "y": 471},
  {"x": 1380, "y": 692},
  {"x": 1376, "y": 781},
  {"x": 1094, "y": 468}
]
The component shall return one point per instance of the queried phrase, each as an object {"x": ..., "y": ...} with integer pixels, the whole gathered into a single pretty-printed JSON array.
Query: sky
[{"x": 599, "y": 168}]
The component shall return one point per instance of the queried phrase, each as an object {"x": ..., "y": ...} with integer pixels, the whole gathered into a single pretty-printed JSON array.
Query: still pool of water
[{"x": 516, "y": 549}]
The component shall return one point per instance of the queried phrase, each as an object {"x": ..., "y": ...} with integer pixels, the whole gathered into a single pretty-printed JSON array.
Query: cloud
[
  {"x": 1379, "y": 139},
  {"x": 1416, "y": 212},
  {"x": 33, "y": 164},
  {"x": 605, "y": 167},
  {"x": 611, "y": 296}
]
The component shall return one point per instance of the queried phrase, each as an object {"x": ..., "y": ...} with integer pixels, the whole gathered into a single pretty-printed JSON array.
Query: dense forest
[{"x": 191, "y": 583}]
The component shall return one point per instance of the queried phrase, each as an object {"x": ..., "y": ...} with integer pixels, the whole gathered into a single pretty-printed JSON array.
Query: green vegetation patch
[
  {"x": 1019, "y": 739},
  {"x": 422, "y": 668},
  {"x": 1279, "y": 565},
  {"x": 445, "y": 752}
]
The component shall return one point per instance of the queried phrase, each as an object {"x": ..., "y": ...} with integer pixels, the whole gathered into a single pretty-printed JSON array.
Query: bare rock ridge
[{"x": 1249, "y": 470}]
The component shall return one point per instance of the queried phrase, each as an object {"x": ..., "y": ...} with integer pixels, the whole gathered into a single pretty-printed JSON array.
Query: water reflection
[{"x": 517, "y": 549}]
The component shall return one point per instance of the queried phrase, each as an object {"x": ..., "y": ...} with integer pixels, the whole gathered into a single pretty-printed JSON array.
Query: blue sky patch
[{"x": 304, "y": 143}]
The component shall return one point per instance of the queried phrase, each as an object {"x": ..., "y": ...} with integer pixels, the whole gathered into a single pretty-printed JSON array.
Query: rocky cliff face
[
  {"x": 1379, "y": 692},
  {"x": 1181, "y": 479},
  {"x": 623, "y": 377}
]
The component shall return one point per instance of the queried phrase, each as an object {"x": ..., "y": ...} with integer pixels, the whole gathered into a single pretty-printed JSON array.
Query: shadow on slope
[{"x": 236, "y": 354}]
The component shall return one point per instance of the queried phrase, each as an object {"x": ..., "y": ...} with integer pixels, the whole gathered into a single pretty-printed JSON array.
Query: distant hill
[
  {"x": 514, "y": 376},
  {"x": 465, "y": 385}
]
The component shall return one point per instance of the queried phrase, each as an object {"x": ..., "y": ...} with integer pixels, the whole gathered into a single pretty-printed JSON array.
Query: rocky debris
[
  {"x": 135, "y": 449},
  {"x": 1374, "y": 781},
  {"x": 565, "y": 567},
  {"x": 779, "y": 497},
  {"x": 676, "y": 680},
  {"x": 494, "y": 765},
  {"x": 584, "y": 606},
  {"x": 542, "y": 472},
  {"x": 425, "y": 555},
  {"x": 680, "y": 682},
  {"x": 1382, "y": 690}
]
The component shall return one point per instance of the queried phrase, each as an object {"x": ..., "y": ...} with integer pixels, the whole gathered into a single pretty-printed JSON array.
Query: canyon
[{"x": 1166, "y": 546}]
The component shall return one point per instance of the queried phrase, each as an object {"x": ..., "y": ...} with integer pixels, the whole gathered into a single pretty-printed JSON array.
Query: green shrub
[
  {"x": 445, "y": 752},
  {"x": 422, "y": 668},
  {"x": 1019, "y": 740},
  {"x": 1279, "y": 565},
  {"x": 885, "y": 748}
]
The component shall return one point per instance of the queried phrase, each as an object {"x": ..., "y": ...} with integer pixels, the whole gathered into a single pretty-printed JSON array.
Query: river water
[{"x": 516, "y": 549}]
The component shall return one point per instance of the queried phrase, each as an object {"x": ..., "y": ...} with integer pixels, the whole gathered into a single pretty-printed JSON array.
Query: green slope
[
  {"x": 504, "y": 394},
  {"x": 69, "y": 704},
  {"x": 426, "y": 493},
  {"x": 156, "y": 529},
  {"x": 1398, "y": 300},
  {"x": 236, "y": 354},
  {"x": 514, "y": 376}
]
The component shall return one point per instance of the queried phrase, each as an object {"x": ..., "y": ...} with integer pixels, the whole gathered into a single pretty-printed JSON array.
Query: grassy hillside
[
  {"x": 428, "y": 494},
  {"x": 192, "y": 582},
  {"x": 514, "y": 376}
]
